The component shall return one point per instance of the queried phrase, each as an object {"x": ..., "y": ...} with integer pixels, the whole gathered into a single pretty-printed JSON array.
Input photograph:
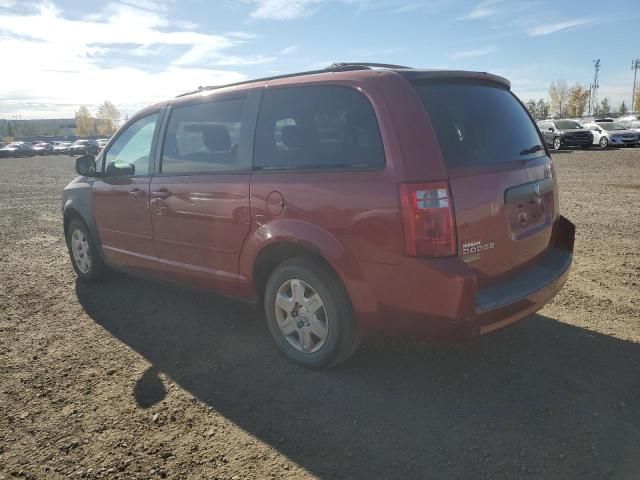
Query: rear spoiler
[{"x": 416, "y": 75}]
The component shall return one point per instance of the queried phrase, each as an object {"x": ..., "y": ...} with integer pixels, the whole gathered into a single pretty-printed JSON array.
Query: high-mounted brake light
[{"x": 427, "y": 215}]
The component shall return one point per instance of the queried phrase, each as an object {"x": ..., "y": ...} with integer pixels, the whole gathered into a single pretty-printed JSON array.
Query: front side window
[
  {"x": 317, "y": 127},
  {"x": 130, "y": 154},
  {"x": 203, "y": 138}
]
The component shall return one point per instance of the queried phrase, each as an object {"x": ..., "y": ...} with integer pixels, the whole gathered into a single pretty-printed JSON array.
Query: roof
[{"x": 409, "y": 73}]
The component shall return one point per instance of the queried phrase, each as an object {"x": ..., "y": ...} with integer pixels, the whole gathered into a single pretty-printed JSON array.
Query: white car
[{"x": 612, "y": 134}]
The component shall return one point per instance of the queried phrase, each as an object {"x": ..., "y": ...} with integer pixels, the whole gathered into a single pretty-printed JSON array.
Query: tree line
[
  {"x": 104, "y": 123},
  {"x": 573, "y": 101}
]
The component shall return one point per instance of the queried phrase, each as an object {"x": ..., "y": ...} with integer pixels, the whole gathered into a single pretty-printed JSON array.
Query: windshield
[
  {"x": 610, "y": 127},
  {"x": 567, "y": 124},
  {"x": 479, "y": 123}
]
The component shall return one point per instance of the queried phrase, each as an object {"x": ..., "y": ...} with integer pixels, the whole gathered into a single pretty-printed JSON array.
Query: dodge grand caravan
[{"x": 356, "y": 199}]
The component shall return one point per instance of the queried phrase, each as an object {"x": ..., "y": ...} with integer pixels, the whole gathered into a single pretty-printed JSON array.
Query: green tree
[
  {"x": 109, "y": 117},
  {"x": 623, "y": 110},
  {"x": 543, "y": 109},
  {"x": 604, "y": 107},
  {"x": 533, "y": 108},
  {"x": 85, "y": 123}
]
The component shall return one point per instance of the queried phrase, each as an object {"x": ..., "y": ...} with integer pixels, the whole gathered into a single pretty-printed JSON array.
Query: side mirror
[
  {"x": 120, "y": 169},
  {"x": 86, "y": 165},
  {"x": 551, "y": 129}
]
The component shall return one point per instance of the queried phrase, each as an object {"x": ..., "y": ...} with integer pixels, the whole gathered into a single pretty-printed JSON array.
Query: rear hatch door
[{"x": 501, "y": 178}]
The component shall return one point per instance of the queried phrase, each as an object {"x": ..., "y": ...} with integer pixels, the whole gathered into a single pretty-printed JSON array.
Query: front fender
[
  {"x": 315, "y": 239},
  {"x": 77, "y": 198}
]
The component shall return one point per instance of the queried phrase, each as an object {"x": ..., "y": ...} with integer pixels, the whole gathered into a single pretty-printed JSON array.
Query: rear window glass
[
  {"x": 317, "y": 127},
  {"x": 479, "y": 124}
]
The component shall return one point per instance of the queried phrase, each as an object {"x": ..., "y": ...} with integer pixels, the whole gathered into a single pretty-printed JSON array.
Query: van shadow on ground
[{"x": 539, "y": 400}]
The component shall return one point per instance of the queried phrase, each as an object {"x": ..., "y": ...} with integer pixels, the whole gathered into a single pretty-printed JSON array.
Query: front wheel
[
  {"x": 556, "y": 143},
  {"x": 309, "y": 314},
  {"x": 604, "y": 142},
  {"x": 83, "y": 253}
]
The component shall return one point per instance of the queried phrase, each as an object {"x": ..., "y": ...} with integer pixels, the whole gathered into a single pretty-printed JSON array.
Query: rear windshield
[{"x": 479, "y": 123}]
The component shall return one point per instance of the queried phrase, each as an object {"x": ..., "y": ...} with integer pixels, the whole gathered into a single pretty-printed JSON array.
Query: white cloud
[
  {"x": 289, "y": 50},
  {"x": 477, "y": 52},
  {"x": 548, "y": 28},
  {"x": 60, "y": 63},
  {"x": 483, "y": 9},
  {"x": 283, "y": 9}
]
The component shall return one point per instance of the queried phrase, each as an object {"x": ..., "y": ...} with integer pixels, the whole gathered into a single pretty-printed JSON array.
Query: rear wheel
[
  {"x": 309, "y": 314},
  {"x": 556, "y": 143},
  {"x": 604, "y": 142},
  {"x": 83, "y": 253}
]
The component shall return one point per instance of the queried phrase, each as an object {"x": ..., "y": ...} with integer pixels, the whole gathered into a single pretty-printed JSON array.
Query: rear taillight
[{"x": 427, "y": 214}]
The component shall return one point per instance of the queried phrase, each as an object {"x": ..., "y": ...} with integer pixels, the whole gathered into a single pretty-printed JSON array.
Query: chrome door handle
[
  {"x": 162, "y": 194},
  {"x": 136, "y": 193}
]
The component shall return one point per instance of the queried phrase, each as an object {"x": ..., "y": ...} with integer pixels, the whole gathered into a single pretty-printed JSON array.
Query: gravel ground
[{"x": 137, "y": 379}]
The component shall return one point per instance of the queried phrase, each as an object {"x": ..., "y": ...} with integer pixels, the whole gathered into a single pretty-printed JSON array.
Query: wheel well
[
  {"x": 273, "y": 255},
  {"x": 69, "y": 215}
]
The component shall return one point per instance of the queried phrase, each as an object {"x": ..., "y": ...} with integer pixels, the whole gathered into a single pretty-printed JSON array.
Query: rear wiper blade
[{"x": 534, "y": 149}]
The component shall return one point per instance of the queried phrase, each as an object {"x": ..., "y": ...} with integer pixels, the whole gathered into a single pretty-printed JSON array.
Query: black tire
[
  {"x": 557, "y": 143},
  {"x": 97, "y": 269},
  {"x": 603, "y": 142},
  {"x": 342, "y": 334}
]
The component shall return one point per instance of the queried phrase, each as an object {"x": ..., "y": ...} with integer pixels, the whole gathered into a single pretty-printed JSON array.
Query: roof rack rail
[
  {"x": 338, "y": 66},
  {"x": 346, "y": 65}
]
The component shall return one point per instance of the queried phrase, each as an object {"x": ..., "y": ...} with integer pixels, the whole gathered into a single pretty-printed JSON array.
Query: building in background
[{"x": 37, "y": 129}]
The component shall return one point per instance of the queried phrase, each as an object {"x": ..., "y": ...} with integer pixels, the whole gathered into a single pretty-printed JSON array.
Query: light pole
[{"x": 635, "y": 65}]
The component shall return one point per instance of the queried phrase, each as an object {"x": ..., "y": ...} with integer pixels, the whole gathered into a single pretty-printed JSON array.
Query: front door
[
  {"x": 200, "y": 194},
  {"x": 121, "y": 198}
]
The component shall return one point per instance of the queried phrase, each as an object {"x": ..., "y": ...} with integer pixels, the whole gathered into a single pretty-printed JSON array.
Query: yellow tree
[
  {"x": 578, "y": 99},
  {"x": 109, "y": 117},
  {"x": 85, "y": 123},
  {"x": 558, "y": 96}
]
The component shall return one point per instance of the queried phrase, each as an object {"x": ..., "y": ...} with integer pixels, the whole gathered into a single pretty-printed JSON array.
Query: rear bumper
[{"x": 451, "y": 307}]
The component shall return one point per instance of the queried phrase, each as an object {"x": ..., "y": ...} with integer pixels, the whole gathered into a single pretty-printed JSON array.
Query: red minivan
[{"x": 357, "y": 199}]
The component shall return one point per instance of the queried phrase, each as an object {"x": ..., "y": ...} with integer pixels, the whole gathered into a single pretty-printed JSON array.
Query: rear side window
[
  {"x": 318, "y": 127},
  {"x": 203, "y": 138},
  {"x": 479, "y": 123}
]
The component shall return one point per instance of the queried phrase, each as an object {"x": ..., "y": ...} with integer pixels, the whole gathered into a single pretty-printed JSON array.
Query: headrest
[
  {"x": 294, "y": 137},
  {"x": 216, "y": 138}
]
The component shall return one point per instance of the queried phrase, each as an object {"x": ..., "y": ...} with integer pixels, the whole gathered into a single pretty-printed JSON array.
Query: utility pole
[
  {"x": 593, "y": 96},
  {"x": 635, "y": 65}
]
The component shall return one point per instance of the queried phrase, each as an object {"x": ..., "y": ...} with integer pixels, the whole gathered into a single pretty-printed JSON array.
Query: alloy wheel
[
  {"x": 81, "y": 251},
  {"x": 302, "y": 316}
]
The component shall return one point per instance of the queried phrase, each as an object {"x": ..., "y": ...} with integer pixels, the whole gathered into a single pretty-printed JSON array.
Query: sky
[{"x": 59, "y": 54}]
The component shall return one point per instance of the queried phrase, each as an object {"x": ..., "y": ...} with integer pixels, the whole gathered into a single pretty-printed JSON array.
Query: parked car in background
[
  {"x": 612, "y": 134},
  {"x": 84, "y": 147},
  {"x": 628, "y": 119},
  {"x": 565, "y": 133},
  {"x": 102, "y": 142},
  {"x": 61, "y": 148},
  {"x": 17, "y": 149},
  {"x": 43, "y": 148},
  {"x": 345, "y": 201},
  {"x": 632, "y": 125}
]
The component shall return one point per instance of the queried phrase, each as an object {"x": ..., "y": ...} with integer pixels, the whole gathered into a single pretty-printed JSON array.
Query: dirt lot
[{"x": 136, "y": 379}]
